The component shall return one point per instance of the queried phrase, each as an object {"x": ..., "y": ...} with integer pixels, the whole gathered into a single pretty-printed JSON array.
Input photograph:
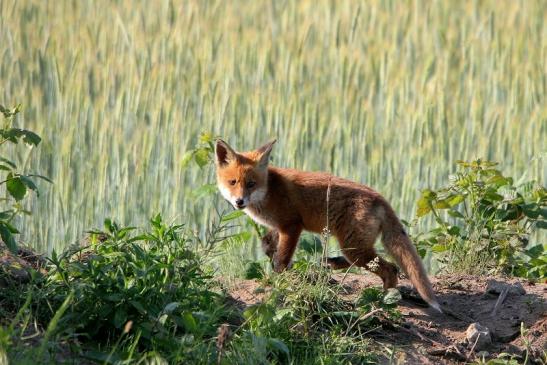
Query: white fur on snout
[
  {"x": 227, "y": 195},
  {"x": 232, "y": 199}
]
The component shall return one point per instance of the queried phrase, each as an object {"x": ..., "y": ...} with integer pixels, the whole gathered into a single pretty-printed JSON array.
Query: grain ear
[
  {"x": 264, "y": 153},
  {"x": 224, "y": 154}
]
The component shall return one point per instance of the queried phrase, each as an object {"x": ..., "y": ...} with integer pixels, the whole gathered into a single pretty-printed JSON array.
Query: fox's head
[{"x": 242, "y": 177}]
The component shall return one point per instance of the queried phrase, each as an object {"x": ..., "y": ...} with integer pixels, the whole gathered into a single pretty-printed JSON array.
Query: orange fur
[{"x": 289, "y": 201}]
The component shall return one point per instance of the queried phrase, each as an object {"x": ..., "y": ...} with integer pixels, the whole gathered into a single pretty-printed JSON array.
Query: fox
[{"x": 289, "y": 201}]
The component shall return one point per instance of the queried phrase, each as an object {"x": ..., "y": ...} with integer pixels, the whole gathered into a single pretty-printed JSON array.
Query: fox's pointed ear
[
  {"x": 223, "y": 153},
  {"x": 264, "y": 153}
]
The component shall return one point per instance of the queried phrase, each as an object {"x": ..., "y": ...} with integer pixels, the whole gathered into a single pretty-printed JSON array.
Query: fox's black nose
[{"x": 239, "y": 202}]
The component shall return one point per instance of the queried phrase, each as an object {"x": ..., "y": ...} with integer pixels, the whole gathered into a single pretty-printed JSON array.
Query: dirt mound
[{"x": 499, "y": 304}]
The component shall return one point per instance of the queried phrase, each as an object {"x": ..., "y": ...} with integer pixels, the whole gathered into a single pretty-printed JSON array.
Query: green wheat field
[{"x": 387, "y": 93}]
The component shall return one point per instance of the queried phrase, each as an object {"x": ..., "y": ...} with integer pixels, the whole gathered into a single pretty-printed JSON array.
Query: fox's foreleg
[
  {"x": 288, "y": 240},
  {"x": 269, "y": 244}
]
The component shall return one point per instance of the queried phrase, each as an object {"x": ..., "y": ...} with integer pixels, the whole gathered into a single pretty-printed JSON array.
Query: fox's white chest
[{"x": 260, "y": 217}]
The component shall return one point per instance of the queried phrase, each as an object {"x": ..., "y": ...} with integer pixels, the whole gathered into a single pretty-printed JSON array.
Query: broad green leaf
[
  {"x": 189, "y": 322},
  {"x": 493, "y": 196},
  {"x": 16, "y": 188},
  {"x": 311, "y": 244},
  {"x": 31, "y": 138},
  {"x": 29, "y": 183},
  {"x": 41, "y": 177},
  {"x": 171, "y": 307},
  {"x": 439, "y": 248},
  {"x": 232, "y": 215},
  {"x": 454, "y": 230},
  {"x": 186, "y": 158},
  {"x": 201, "y": 156},
  {"x": 424, "y": 207},
  {"x": 392, "y": 296},
  {"x": 442, "y": 204},
  {"x": 499, "y": 180},
  {"x": 455, "y": 199},
  {"x": 138, "y": 306},
  {"x": 7, "y": 237},
  {"x": 278, "y": 345}
]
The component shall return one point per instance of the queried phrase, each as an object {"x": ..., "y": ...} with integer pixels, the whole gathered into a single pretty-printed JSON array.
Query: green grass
[{"x": 387, "y": 93}]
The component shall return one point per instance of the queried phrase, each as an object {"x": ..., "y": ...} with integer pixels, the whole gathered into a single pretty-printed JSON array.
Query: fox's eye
[
  {"x": 250, "y": 184},
  {"x": 232, "y": 182}
]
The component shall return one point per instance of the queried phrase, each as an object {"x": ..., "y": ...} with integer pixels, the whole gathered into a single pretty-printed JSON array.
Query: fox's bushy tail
[{"x": 398, "y": 244}]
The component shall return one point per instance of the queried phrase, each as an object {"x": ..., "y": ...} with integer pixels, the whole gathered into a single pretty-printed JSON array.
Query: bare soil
[{"x": 428, "y": 337}]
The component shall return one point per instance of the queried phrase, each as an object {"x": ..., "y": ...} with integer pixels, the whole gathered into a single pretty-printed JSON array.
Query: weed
[{"x": 487, "y": 224}]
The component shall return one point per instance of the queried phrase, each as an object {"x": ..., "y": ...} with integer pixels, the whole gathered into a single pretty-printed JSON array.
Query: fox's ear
[
  {"x": 224, "y": 153},
  {"x": 264, "y": 153}
]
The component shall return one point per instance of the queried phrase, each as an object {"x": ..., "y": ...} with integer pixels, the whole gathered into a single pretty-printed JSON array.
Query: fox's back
[{"x": 303, "y": 195}]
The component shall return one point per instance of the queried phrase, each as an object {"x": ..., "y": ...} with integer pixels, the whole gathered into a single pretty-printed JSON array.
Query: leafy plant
[
  {"x": 17, "y": 184},
  {"x": 151, "y": 283},
  {"x": 487, "y": 222}
]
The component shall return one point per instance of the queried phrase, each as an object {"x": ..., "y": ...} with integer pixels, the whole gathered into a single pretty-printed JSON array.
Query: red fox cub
[{"x": 289, "y": 201}]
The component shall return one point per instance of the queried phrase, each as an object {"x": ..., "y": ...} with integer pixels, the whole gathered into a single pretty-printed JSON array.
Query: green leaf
[
  {"x": 424, "y": 207},
  {"x": 8, "y": 162},
  {"x": 16, "y": 187},
  {"x": 186, "y": 158},
  {"x": 201, "y": 156},
  {"x": 531, "y": 210},
  {"x": 442, "y": 204},
  {"x": 41, "y": 177},
  {"x": 7, "y": 237},
  {"x": 278, "y": 345},
  {"x": 535, "y": 251},
  {"x": 29, "y": 183},
  {"x": 31, "y": 138},
  {"x": 392, "y": 296},
  {"x": 171, "y": 307},
  {"x": 455, "y": 199},
  {"x": 232, "y": 215},
  {"x": 454, "y": 230},
  {"x": 499, "y": 180},
  {"x": 311, "y": 244},
  {"x": 455, "y": 214},
  {"x": 138, "y": 306},
  {"x": 205, "y": 137},
  {"x": 189, "y": 322},
  {"x": 120, "y": 317},
  {"x": 439, "y": 248},
  {"x": 492, "y": 196}
]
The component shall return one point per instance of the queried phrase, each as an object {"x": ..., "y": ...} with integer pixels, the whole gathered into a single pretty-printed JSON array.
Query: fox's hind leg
[{"x": 357, "y": 245}]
